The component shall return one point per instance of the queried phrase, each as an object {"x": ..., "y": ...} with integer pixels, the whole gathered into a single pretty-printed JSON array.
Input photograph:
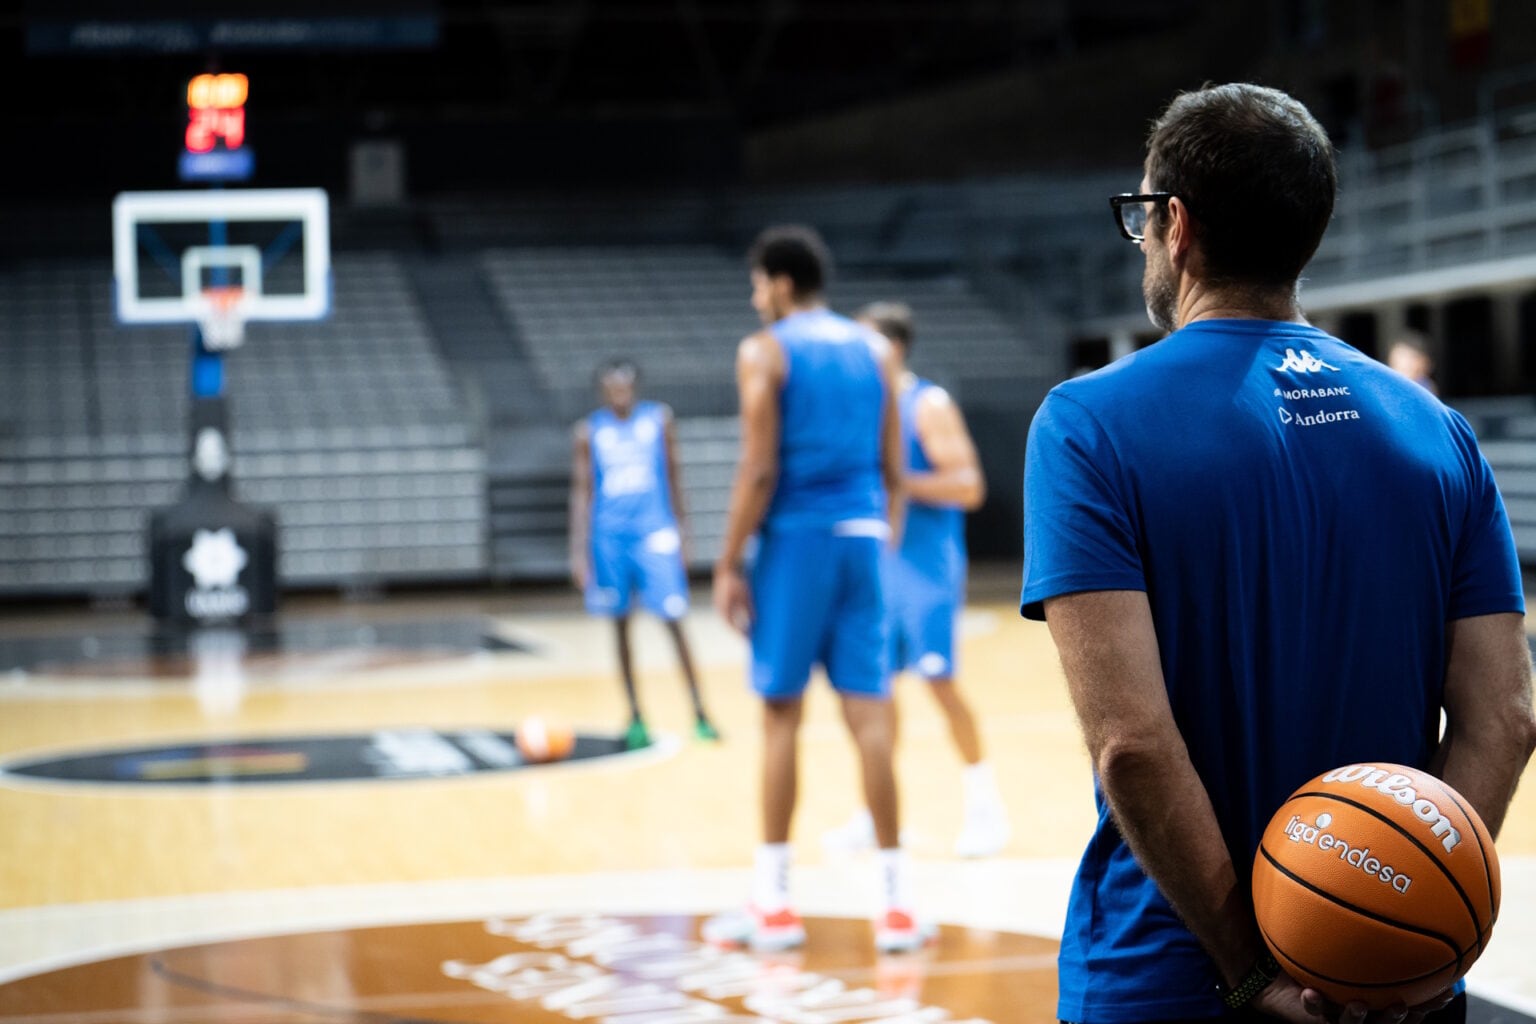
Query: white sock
[
  {"x": 893, "y": 879},
  {"x": 980, "y": 785},
  {"x": 770, "y": 886}
]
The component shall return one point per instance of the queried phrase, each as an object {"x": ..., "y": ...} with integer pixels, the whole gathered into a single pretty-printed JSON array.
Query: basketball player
[
  {"x": 1214, "y": 529},
  {"x": 925, "y": 579},
  {"x": 627, "y": 523},
  {"x": 819, "y": 483}
]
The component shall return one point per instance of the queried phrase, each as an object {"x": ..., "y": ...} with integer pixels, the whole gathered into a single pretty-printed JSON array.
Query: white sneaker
[
  {"x": 852, "y": 836},
  {"x": 985, "y": 833},
  {"x": 752, "y": 929},
  {"x": 901, "y": 931}
]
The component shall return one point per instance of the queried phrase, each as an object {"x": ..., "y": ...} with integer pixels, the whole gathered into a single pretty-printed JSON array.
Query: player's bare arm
[
  {"x": 893, "y": 457},
  {"x": 675, "y": 480},
  {"x": 759, "y": 377},
  {"x": 1490, "y": 730},
  {"x": 580, "y": 504},
  {"x": 956, "y": 477},
  {"x": 1109, "y": 653}
]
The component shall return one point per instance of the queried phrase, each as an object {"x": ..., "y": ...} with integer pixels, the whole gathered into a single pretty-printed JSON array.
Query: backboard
[{"x": 251, "y": 254}]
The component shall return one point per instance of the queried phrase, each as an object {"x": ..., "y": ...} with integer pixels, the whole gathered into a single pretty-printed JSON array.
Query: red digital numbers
[{"x": 216, "y": 112}]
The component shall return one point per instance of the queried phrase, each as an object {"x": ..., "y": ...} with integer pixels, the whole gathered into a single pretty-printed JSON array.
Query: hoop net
[{"x": 221, "y": 317}]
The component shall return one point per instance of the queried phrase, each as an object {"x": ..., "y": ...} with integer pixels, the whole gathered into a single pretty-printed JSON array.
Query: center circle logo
[{"x": 558, "y": 967}]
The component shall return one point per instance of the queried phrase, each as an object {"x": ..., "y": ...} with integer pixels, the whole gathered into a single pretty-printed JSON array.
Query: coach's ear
[{"x": 1180, "y": 236}]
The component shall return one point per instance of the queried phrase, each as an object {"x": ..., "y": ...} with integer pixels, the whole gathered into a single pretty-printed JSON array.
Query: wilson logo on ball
[{"x": 1400, "y": 788}]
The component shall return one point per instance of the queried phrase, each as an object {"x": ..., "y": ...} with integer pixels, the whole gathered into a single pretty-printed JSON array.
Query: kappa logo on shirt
[{"x": 1304, "y": 363}]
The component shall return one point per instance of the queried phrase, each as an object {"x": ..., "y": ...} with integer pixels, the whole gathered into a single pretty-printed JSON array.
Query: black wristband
[{"x": 1264, "y": 970}]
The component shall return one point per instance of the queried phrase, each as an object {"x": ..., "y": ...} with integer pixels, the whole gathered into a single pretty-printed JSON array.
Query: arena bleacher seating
[
  {"x": 422, "y": 432},
  {"x": 350, "y": 429}
]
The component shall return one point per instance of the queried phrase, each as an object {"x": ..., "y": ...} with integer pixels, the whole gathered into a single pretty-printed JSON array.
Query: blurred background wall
[{"x": 522, "y": 190}]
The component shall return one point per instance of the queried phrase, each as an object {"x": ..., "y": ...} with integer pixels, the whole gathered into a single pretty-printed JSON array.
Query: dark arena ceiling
[{"x": 756, "y": 63}]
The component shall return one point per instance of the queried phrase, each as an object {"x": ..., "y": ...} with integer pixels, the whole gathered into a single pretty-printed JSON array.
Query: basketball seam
[
  {"x": 1493, "y": 904},
  {"x": 1362, "y": 911},
  {"x": 1466, "y": 901},
  {"x": 1345, "y": 981}
]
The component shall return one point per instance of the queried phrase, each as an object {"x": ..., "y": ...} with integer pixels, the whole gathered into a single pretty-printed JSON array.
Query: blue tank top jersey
[
  {"x": 631, "y": 493},
  {"x": 1304, "y": 523},
  {"x": 933, "y": 539},
  {"x": 832, "y": 407}
]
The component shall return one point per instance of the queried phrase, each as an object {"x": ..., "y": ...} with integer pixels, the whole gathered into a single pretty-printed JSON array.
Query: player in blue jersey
[
  {"x": 819, "y": 484},
  {"x": 925, "y": 579},
  {"x": 1262, "y": 555},
  {"x": 627, "y": 524}
]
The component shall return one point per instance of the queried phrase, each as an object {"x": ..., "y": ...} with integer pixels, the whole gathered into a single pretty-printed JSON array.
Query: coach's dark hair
[
  {"x": 892, "y": 319},
  {"x": 794, "y": 251},
  {"x": 612, "y": 366},
  {"x": 1257, "y": 173}
]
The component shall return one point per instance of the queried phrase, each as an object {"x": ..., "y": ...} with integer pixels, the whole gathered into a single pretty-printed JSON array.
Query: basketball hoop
[{"x": 221, "y": 317}]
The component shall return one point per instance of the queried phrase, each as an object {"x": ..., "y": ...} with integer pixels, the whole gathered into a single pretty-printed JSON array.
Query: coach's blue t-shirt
[{"x": 1304, "y": 522}]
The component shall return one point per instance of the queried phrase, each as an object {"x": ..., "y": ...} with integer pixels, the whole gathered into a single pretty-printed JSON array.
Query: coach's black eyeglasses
[{"x": 1131, "y": 210}]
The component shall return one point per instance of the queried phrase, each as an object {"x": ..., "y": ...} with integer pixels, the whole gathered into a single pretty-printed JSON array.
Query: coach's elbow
[
  {"x": 1125, "y": 761},
  {"x": 1524, "y": 739}
]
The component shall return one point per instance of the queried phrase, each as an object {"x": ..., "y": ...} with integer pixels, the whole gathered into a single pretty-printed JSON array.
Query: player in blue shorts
[
  {"x": 819, "y": 484},
  {"x": 925, "y": 578},
  {"x": 627, "y": 523}
]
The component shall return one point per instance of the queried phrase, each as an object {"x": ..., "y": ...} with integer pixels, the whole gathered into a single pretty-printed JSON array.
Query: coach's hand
[
  {"x": 733, "y": 598},
  {"x": 1286, "y": 999},
  {"x": 579, "y": 574}
]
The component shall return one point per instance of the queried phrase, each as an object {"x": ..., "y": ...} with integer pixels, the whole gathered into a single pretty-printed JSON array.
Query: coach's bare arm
[
  {"x": 759, "y": 378},
  {"x": 1490, "y": 728},
  {"x": 1110, "y": 655}
]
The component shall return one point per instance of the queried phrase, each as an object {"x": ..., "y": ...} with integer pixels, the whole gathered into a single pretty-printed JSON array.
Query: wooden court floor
[{"x": 299, "y": 890}]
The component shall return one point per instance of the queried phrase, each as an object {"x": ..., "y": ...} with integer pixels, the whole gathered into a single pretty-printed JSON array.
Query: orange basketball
[
  {"x": 540, "y": 740},
  {"x": 1377, "y": 883}
]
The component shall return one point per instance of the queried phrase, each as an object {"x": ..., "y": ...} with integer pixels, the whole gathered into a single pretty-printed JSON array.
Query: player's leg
[
  {"x": 957, "y": 713},
  {"x": 664, "y": 590},
  {"x": 985, "y": 830},
  {"x": 870, "y": 722},
  {"x": 609, "y": 585},
  {"x": 858, "y": 832},
  {"x": 790, "y": 605},
  {"x": 855, "y": 655},
  {"x": 781, "y": 736},
  {"x": 703, "y": 728},
  {"x": 934, "y": 604},
  {"x": 637, "y": 735},
  {"x": 769, "y": 923}
]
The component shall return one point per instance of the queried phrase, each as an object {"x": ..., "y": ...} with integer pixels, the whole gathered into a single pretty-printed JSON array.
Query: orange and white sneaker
[
  {"x": 900, "y": 931},
  {"x": 755, "y": 930}
]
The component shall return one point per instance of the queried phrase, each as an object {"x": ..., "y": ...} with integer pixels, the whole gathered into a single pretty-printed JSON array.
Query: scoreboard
[{"x": 215, "y": 148}]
